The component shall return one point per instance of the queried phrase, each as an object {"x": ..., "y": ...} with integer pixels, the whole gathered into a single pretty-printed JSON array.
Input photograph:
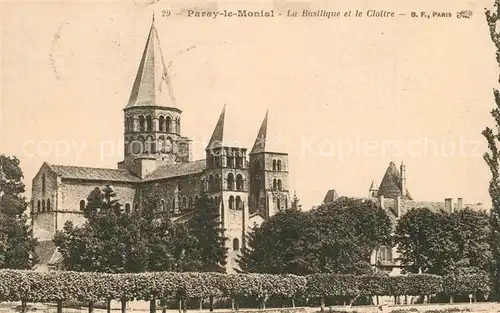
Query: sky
[{"x": 345, "y": 95}]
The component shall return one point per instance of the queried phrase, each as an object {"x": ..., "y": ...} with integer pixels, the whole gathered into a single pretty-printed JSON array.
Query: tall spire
[
  {"x": 260, "y": 141},
  {"x": 218, "y": 134},
  {"x": 152, "y": 85}
]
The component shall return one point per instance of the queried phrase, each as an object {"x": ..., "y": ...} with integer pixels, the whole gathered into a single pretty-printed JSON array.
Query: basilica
[{"x": 248, "y": 186}]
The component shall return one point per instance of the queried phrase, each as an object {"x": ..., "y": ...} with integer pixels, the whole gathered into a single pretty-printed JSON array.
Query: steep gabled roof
[
  {"x": 152, "y": 84},
  {"x": 390, "y": 185},
  {"x": 93, "y": 173}
]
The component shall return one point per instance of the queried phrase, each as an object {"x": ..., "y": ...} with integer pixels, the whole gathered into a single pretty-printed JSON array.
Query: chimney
[
  {"x": 381, "y": 199},
  {"x": 403, "y": 179},
  {"x": 447, "y": 205},
  {"x": 397, "y": 202},
  {"x": 459, "y": 204}
]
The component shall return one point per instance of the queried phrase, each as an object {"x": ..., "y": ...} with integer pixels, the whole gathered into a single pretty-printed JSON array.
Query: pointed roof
[
  {"x": 152, "y": 85},
  {"x": 260, "y": 142},
  {"x": 216, "y": 140},
  {"x": 390, "y": 187},
  {"x": 373, "y": 186},
  {"x": 270, "y": 138},
  {"x": 330, "y": 196}
]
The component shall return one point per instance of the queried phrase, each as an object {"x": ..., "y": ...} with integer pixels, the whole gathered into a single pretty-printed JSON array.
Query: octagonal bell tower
[{"x": 152, "y": 118}]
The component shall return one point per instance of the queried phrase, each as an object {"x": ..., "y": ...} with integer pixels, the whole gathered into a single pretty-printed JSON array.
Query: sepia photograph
[{"x": 268, "y": 156}]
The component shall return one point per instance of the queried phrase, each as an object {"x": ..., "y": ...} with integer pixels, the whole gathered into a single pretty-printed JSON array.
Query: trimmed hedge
[{"x": 32, "y": 286}]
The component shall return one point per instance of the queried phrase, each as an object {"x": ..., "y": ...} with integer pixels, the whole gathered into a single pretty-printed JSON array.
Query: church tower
[
  {"x": 268, "y": 176},
  {"x": 226, "y": 182},
  {"x": 152, "y": 119}
]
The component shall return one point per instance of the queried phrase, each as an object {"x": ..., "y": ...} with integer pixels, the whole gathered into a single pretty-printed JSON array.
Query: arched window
[
  {"x": 278, "y": 203},
  {"x": 178, "y": 124},
  {"x": 162, "y": 205},
  {"x": 43, "y": 182},
  {"x": 184, "y": 202},
  {"x": 231, "y": 202},
  {"x": 82, "y": 205},
  {"x": 128, "y": 124},
  {"x": 275, "y": 184},
  {"x": 142, "y": 127},
  {"x": 48, "y": 205},
  {"x": 236, "y": 244},
  {"x": 239, "y": 204},
  {"x": 43, "y": 205},
  {"x": 127, "y": 207},
  {"x": 32, "y": 204},
  {"x": 239, "y": 182},
  {"x": 210, "y": 182},
  {"x": 274, "y": 165},
  {"x": 217, "y": 182},
  {"x": 169, "y": 124},
  {"x": 161, "y": 122},
  {"x": 38, "y": 206},
  {"x": 279, "y": 184},
  {"x": 230, "y": 181},
  {"x": 131, "y": 124},
  {"x": 278, "y": 165},
  {"x": 149, "y": 123},
  {"x": 136, "y": 207}
]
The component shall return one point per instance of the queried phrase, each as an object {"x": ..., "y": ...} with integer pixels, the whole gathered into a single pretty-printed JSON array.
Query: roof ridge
[{"x": 91, "y": 167}]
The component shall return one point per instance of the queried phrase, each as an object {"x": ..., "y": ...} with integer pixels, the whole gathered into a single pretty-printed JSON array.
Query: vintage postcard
[{"x": 311, "y": 156}]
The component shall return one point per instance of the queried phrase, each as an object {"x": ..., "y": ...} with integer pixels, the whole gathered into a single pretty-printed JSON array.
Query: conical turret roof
[{"x": 152, "y": 85}]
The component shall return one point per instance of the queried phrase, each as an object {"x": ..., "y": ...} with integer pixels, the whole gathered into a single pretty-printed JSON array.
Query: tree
[
  {"x": 207, "y": 248},
  {"x": 167, "y": 241},
  {"x": 442, "y": 243},
  {"x": 277, "y": 246},
  {"x": 17, "y": 245},
  {"x": 493, "y": 137},
  {"x": 351, "y": 230},
  {"x": 337, "y": 238},
  {"x": 109, "y": 241}
]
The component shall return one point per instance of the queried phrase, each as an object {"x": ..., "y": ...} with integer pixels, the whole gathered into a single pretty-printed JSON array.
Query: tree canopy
[
  {"x": 492, "y": 136},
  {"x": 17, "y": 245},
  {"x": 443, "y": 243},
  {"x": 115, "y": 241},
  {"x": 335, "y": 238}
]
